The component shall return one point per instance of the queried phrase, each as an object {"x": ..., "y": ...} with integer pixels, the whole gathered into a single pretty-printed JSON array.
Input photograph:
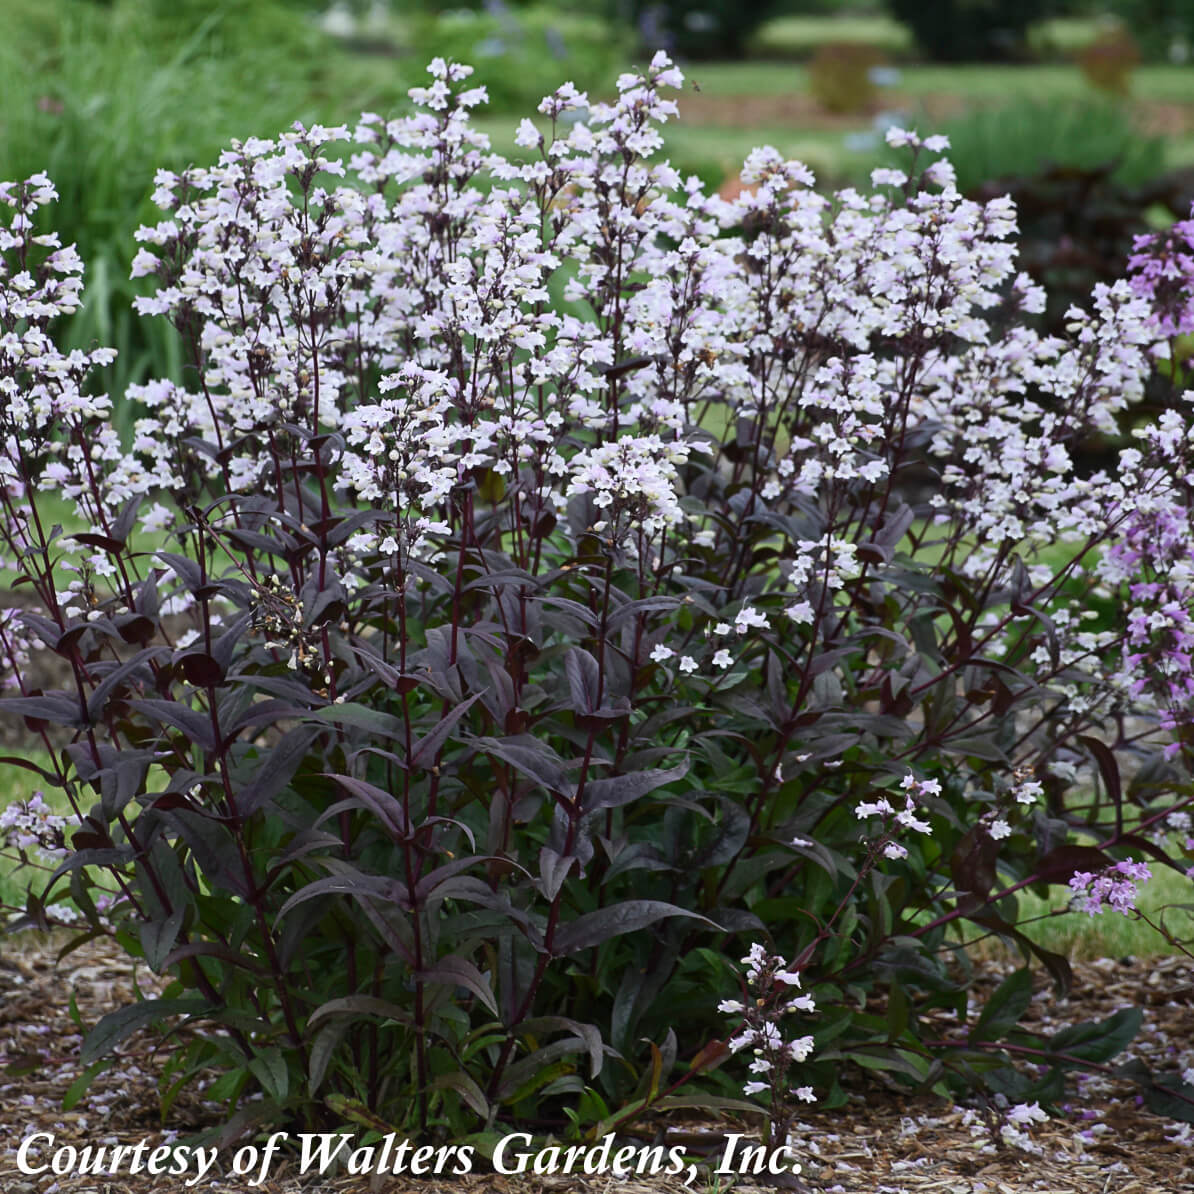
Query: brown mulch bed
[
  {"x": 800, "y": 109},
  {"x": 881, "y": 1142}
]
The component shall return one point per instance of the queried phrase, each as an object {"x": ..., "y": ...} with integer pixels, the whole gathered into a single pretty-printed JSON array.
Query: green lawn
[
  {"x": 969, "y": 81},
  {"x": 19, "y": 784},
  {"x": 1110, "y": 934}
]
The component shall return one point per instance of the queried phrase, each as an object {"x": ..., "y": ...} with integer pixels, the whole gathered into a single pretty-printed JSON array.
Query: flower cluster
[
  {"x": 32, "y": 826},
  {"x": 632, "y": 480},
  {"x": 16, "y": 642},
  {"x": 1016, "y": 800},
  {"x": 1162, "y": 271},
  {"x": 771, "y": 995},
  {"x": 1151, "y": 555},
  {"x": 55, "y": 431},
  {"x": 915, "y": 790},
  {"x": 1113, "y": 887},
  {"x": 307, "y": 284}
]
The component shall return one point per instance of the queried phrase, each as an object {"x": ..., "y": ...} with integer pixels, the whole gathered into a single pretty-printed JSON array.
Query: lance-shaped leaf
[
  {"x": 584, "y": 680},
  {"x": 212, "y": 847},
  {"x": 455, "y": 971},
  {"x": 553, "y": 870},
  {"x": 1005, "y": 1007},
  {"x": 354, "y": 883},
  {"x": 594, "y": 928},
  {"x": 184, "y": 568},
  {"x": 616, "y": 790},
  {"x": 385, "y": 807},
  {"x": 428, "y": 747},
  {"x": 195, "y": 726},
  {"x": 359, "y": 1005},
  {"x": 364, "y": 718},
  {"x": 116, "y": 1027},
  {"x": 1167, "y": 1095},
  {"x": 538, "y": 1068},
  {"x": 1060, "y": 864},
  {"x": 534, "y": 759},
  {"x": 277, "y": 769},
  {"x": 59, "y": 710},
  {"x": 139, "y": 663},
  {"x": 158, "y": 937},
  {"x": 213, "y": 949},
  {"x": 1097, "y": 1041},
  {"x": 472, "y": 1095},
  {"x": 327, "y": 1041},
  {"x": 589, "y": 1033}
]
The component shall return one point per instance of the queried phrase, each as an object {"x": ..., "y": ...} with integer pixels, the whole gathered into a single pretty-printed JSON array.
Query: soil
[{"x": 882, "y": 1142}]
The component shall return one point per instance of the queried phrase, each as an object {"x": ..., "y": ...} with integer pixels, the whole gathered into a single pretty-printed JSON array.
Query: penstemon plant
[{"x": 545, "y": 575}]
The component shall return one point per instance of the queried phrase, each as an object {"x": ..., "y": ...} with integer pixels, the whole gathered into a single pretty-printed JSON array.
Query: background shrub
[
  {"x": 969, "y": 30},
  {"x": 1161, "y": 26},
  {"x": 1108, "y": 61},
  {"x": 839, "y": 77},
  {"x": 1028, "y": 136},
  {"x": 696, "y": 28}
]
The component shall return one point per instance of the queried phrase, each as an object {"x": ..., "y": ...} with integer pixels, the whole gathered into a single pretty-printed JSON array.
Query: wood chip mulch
[{"x": 882, "y": 1142}]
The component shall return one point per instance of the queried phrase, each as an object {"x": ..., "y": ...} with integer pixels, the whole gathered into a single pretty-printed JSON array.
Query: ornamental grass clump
[{"x": 550, "y": 580}]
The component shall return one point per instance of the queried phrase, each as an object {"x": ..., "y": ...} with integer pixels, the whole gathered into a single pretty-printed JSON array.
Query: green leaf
[
  {"x": 888, "y": 1059},
  {"x": 707, "y": 1102},
  {"x": 541, "y": 1074},
  {"x": 364, "y": 718},
  {"x": 116, "y": 1027},
  {"x": 1168, "y": 1095},
  {"x": 1099, "y": 1041},
  {"x": 227, "y": 1087},
  {"x": 270, "y": 1069},
  {"x": 590, "y": 1034},
  {"x": 467, "y": 1089},
  {"x": 323, "y": 1049},
  {"x": 897, "y": 1011},
  {"x": 1003, "y": 1010},
  {"x": 356, "y": 1112},
  {"x": 359, "y": 1005}
]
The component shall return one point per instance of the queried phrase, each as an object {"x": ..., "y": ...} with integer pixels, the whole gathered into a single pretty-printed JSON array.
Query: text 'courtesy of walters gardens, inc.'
[{"x": 40, "y": 1155}]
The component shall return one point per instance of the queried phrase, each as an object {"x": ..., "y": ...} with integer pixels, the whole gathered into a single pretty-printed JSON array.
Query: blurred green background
[{"x": 100, "y": 93}]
